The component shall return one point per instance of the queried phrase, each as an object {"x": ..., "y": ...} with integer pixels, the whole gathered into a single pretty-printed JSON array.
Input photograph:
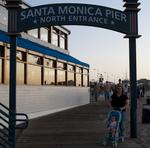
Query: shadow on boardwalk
[{"x": 81, "y": 127}]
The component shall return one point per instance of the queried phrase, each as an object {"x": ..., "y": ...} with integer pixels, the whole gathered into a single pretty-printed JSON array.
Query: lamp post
[
  {"x": 131, "y": 7},
  {"x": 12, "y": 6}
]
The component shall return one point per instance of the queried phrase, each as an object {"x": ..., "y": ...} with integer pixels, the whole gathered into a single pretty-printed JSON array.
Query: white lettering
[
  {"x": 80, "y": 10},
  {"x": 117, "y": 15},
  {"x": 42, "y": 19},
  {"x": 44, "y": 10},
  {"x": 51, "y": 11},
  {"x": 37, "y": 12},
  {"x": 123, "y": 17},
  {"x": 30, "y": 14},
  {"x": 72, "y": 10},
  {"x": 98, "y": 12},
  {"x": 23, "y": 16},
  {"x": 108, "y": 12},
  {"x": 62, "y": 10},
  {"x": 91, "y": 19},
  {"x": 76, "y": 10},
  {"x": 84, "y": 19},
  {"x": 90, "y": 11},
  {"x": 49, "y": 19}
]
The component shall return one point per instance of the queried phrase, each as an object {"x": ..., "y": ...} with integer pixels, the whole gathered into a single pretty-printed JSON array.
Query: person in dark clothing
[{"x": 119, "y": 101}]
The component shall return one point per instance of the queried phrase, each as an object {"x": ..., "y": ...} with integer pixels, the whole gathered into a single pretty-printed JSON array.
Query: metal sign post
[
  {"x": 132, "y": 10},
  {"x": 12, "y": 6},
  {"x": 72, "y": 14}
]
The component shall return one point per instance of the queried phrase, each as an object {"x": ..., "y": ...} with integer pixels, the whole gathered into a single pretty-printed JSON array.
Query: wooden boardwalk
[
  {"x": 73, "y": 128},
  {"x": 81, "y": 127}
]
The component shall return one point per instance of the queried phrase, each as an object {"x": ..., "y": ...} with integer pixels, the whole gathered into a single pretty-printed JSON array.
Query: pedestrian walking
[
  {"x": 107, "y": 92},
  {"x": 119, "y": 101}
]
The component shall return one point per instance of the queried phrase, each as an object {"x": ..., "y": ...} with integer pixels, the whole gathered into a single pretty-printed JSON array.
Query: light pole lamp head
[
  {"x": 131, "y": 5},
  {"x": 13, "y": 4}
]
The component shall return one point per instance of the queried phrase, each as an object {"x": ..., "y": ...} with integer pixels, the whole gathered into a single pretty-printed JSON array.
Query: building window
[
  {"x": 85, "y": 77},
  {"x": 44, "y": 34},
  {"x": 1, "y": 63},
  {"x": 34, "y": 74},
  {"x": 61, "y": 73},
  {"x": 60, "y": 65},
  {"x": 8, "y": 53},
  {"x": 49, "y": 76},
  {"x": 61, "y": 77},
  {"x": 78, "y": 76},
  {"x": 20, "y": 56},
  {"x": 1, "y": 51},
  {"x": 70, "y": 81},
  {"x": 48, "y": 63},
  {"x": 7, "y": 72},
  {"x": 85, "y": 80},
  {"x": 71, "y": 78},
  {"x": 78, "y": 79},
  {"x": 62, "y": 40},
  {"x": 70, "y": 68},
  {"x": 3, "y": 15},
  {"x": 78, "y": 70},
  {"x": 55, "y": 36},
  {"x": 34, "y": 59},
  {"x": 20, "y": 73},
  {"x": 85, "y": 71},
  {"x": 33, "y": 32}
]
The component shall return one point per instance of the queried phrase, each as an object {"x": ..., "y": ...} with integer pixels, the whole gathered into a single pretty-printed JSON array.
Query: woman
[{"x": 119, "y": 101}]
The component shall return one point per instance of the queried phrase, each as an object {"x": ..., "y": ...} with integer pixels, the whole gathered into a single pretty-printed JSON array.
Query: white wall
[{"x": 41, "y": 100}]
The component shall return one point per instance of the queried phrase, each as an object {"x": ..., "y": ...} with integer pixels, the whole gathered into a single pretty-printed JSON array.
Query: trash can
[{"x": 146, "y": 113}]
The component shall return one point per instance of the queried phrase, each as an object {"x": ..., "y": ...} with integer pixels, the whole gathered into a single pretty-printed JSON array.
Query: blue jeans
[
  {"x": 107, "y": 96},
  {"x": 122, "y": 124}
]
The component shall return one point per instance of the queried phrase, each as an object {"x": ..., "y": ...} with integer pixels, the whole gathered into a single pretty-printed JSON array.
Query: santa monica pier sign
[
  {"x": 20, "y": 20},
  {"x": 73, "y": 14}
]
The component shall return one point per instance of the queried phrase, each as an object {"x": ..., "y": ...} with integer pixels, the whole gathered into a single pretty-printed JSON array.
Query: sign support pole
[
  {"x": 12, "y": 7},
  {"x": 132, "y": 10},
  {"x": 12, "y": 89},
  {"x": 133, "y": 87}
]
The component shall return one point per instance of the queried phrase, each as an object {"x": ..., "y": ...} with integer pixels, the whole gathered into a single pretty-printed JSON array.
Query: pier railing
[{"x": 6, "y": 120}]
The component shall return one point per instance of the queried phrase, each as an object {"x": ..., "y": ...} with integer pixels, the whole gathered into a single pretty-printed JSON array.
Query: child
[{"x": 112, "y": 126}]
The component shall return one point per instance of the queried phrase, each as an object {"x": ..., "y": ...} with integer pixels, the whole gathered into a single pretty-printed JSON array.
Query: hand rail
[
  {"x": 5, "y": 116},
  {"x": 25, "y": 121}
]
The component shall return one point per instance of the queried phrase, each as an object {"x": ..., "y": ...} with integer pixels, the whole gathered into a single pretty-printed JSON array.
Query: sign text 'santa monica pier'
[{"x": 73, "y": 14}]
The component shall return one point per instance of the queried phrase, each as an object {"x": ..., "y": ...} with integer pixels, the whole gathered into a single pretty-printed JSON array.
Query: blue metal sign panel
[{"x": 73, "y": 14}]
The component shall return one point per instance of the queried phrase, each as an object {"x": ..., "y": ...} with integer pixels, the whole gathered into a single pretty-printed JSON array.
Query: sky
[{"x": 106, "y": 51}]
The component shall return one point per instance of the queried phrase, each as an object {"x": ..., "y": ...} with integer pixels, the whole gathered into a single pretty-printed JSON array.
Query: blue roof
[{"x": 27, "y": 44}]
